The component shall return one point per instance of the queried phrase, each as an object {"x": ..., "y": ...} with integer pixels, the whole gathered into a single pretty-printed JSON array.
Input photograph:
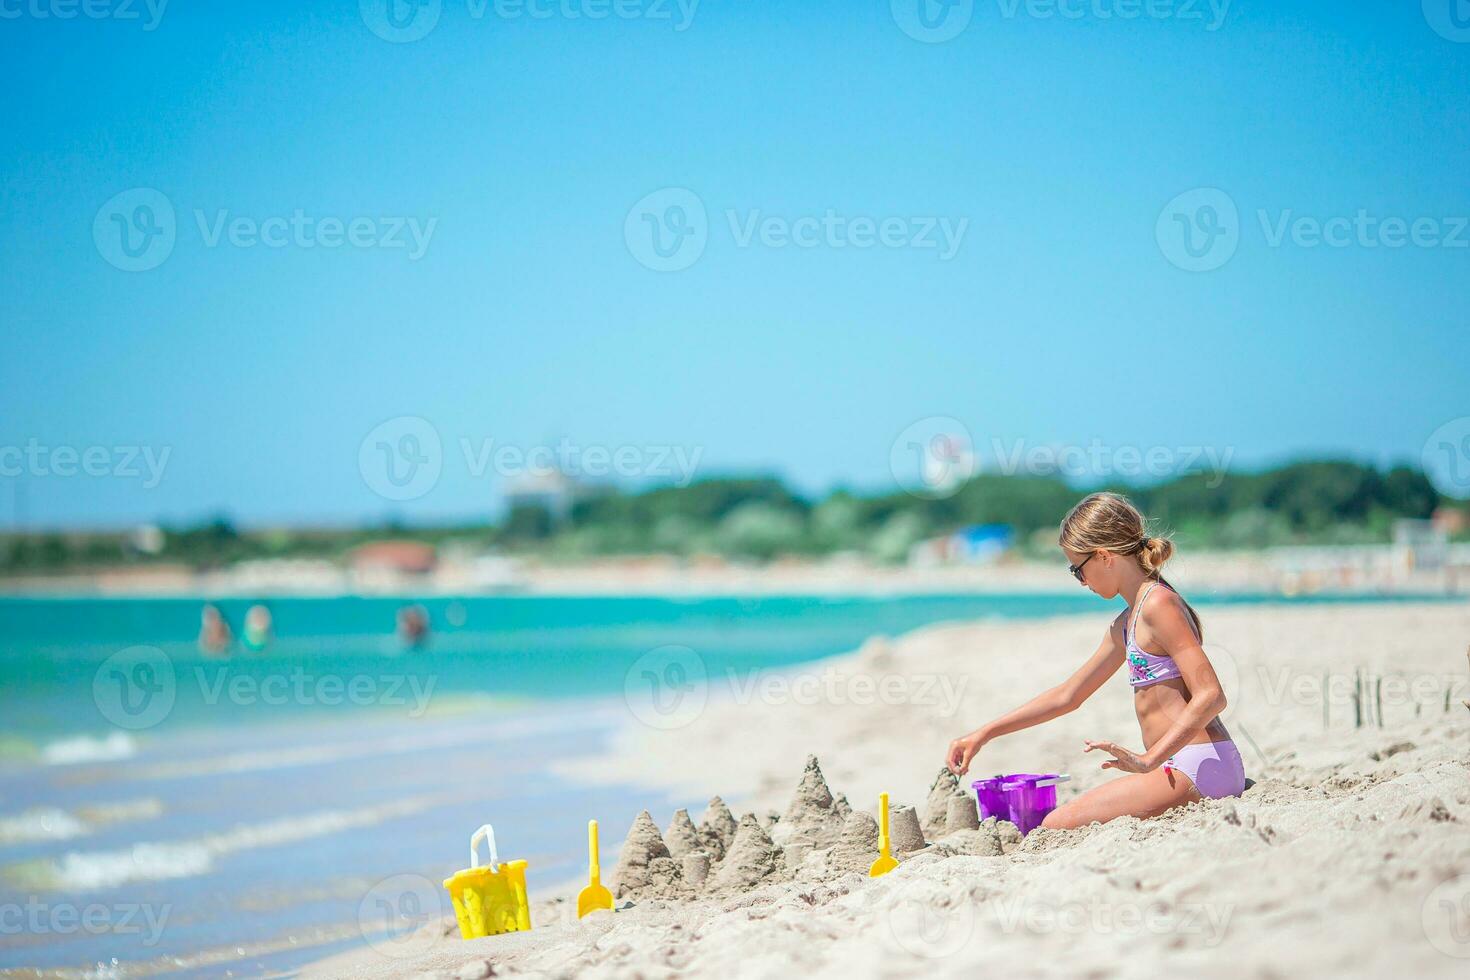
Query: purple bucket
[{"x": 1023, "y": 798}]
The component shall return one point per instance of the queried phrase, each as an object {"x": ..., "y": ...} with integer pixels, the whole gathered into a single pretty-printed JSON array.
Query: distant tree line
[
  {"x": 761, "y": 518},
  {"x": 1326, "y": 502}
]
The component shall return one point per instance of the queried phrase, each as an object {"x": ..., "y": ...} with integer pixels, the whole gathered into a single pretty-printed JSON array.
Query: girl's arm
[
  {"x": 1206, "y": 698},
  {"x": 1052, "y": 703},
  {"x": 1170, "y": 628}
]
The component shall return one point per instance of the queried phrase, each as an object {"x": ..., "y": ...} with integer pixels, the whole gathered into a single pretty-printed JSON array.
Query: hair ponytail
[{"x": 1154, "y": 552}]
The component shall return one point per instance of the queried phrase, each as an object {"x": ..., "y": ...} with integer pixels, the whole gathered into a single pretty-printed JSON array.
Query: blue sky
[{"x": 519, "y": 145}]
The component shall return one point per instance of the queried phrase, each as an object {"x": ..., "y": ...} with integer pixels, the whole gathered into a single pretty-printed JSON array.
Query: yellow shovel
[
  {"x": 594, "y": 896},
  {"x": 885, "y": 862}
]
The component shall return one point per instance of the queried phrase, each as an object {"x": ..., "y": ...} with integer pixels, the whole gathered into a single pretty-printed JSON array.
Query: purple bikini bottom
[{"x": 1214, "y": 768}]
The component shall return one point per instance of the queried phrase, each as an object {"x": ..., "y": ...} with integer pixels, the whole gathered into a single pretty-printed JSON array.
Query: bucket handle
[
  {"x": 1064, "y": 777},
  {"x": 487, "y": 833}
]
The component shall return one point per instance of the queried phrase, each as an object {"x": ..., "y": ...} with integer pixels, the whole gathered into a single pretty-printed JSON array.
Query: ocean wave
[
  {"x": 85, "y": 748},
  {"x": 83, "y": 871},
  {"x": 41, "y": 823},
  {"x": 48, "y": 823}
]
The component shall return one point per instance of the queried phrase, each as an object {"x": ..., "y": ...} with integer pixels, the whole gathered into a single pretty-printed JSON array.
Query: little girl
[{"x": 1187, "y": 751}]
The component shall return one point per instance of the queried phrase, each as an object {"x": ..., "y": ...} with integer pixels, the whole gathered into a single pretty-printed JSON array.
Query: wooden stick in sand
[{"x": 1357, "y": 698}]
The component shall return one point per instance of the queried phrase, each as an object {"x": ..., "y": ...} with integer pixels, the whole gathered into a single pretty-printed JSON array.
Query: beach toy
[
  {"x": 885, "y": 862},
  {"x": 1023, "y": 798},
  {"x": 488, "y": 901},
  {"x": 594, "y": 896}
]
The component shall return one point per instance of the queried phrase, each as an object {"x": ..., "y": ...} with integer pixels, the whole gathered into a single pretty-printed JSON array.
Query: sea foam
[
  {"x": 82, "y": 871},
  {"x": 85, "y": 748}
]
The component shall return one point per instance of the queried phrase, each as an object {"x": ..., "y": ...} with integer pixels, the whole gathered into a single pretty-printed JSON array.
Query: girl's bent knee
[{"x": 1060, "y": 819}]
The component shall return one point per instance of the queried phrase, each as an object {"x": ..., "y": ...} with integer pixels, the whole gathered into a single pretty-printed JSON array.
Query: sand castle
[{"x": 819, "y": 837}]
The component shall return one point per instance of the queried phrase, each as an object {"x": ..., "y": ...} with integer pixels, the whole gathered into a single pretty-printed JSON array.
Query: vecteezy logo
[
  {"x": 400, "y": 21},
  {"x": 1449, "y": 18},
  {"x": 393, "y": 910},
  {"x": 135, "y": 688},
  {"x": 933, "y": 458},
  {"x": 1199, "y": 230},
  {"x": 135, "y": 230},
  {"x": 402, "y": 458},
  {"x": 932, "y": 21},
  {"x": 1446, "y": 458},
  {"x": 667, "y": 230},
  {"x": 1446, "y": 917},
  {"x": 667, "y": 687},
  {"x": 927, "y": 922}
]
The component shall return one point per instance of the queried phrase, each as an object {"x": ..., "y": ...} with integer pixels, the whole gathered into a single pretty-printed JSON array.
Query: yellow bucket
[{"x": 488, "y": 902}]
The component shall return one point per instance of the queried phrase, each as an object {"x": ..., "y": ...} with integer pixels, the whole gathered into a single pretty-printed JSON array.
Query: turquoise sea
[{"x": 163, "y": 811}]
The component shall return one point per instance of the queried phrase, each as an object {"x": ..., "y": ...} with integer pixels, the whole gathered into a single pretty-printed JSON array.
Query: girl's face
[{"x": 1098, "y": 570}]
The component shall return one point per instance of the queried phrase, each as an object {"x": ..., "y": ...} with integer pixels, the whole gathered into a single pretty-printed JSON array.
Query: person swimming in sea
[
  {"x": 413, "y": 626},
  {"x": 1187, "y": 753},
  {"x": 215, "y": 636},
  {"x": 256, "y": 634}
]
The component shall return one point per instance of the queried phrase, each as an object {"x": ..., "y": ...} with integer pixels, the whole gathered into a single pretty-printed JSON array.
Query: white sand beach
[{"x": 1349, "y": 856}]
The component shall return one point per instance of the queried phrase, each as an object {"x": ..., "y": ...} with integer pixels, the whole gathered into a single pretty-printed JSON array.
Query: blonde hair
[{"x": 1110, "y": 522}]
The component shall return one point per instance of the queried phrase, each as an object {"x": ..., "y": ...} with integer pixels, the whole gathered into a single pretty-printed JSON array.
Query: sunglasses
[{"x": 1076, "y": 570}]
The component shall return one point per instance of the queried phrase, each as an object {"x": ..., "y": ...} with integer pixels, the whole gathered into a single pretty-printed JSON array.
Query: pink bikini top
[{"x": 1145, "y": 668}]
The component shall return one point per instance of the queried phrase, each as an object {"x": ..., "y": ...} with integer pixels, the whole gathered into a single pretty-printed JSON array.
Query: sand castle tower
[
  {"x": 813, "y": 820},
  {"x": 942, "y": 814},
  {"x": 752, "y": 858},
  {"x": 646, "y": 868},
  {"x": 716, "y": 829},
  {"x": 682, "y": 837},
  {"x": 643, "y": 844}
]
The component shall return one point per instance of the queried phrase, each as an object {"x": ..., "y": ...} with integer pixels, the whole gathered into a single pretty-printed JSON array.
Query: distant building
[
  {"x": 1450, "y": 520},
  {"x": 408, "y": 557},
  {"x": 552, "y": 491},
  {"x": 978, "y": 544},
  {"x": 1418, "y": 548},
  {"x": 147, "y": 539},
  {"x": 1426, "y": 543},
  {"x": 947, "y": 463},
  {"x": 386, "y": 564}
]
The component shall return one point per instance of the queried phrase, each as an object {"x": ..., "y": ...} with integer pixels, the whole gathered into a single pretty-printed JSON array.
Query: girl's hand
[
  {"x": 1122, "y": 759},
  {"x": 962, "y": 750}
]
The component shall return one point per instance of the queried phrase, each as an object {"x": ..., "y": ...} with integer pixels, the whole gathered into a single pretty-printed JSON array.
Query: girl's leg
[{"x": 1138, "y": 794}]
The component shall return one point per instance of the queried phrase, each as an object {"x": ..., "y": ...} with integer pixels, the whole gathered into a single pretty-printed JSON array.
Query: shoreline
[
  {"x": 1284, "y": 572},
  {"x": 1330, "y": 862},
  {"x": 1199, "y": 592},
  {"x": 321, "y": 782}
]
